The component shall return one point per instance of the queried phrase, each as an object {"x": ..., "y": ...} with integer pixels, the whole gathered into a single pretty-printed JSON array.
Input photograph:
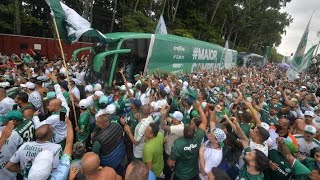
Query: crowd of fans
[{"x": 242, "y": 123}]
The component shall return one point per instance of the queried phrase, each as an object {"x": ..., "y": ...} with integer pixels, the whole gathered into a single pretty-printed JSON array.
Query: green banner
[{"x": 177, "y": 54}]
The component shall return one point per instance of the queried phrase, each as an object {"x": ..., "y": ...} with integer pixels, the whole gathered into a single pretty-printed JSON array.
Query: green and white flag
[
  {"x": 161, "y": 27},
  {"x": 293, "y": 70},
  {"x": 70, "y": 24},
  {"x": 298, "y": 55},
  {"x": 307, "y": 58}
]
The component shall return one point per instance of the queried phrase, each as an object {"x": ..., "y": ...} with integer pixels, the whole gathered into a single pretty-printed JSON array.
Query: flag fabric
[
  {"x": 70, "y": 24},
  {"x": 161, "y": 27},
  {"x": 306, "y": 60},
  {"x": 267, "y": 53},
  {"x": 298, "y": 56},
  {"x": 293, "y": 70}
]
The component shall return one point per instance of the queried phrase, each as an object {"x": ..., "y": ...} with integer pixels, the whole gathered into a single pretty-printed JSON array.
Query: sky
[{"x": 301, "y": 11}]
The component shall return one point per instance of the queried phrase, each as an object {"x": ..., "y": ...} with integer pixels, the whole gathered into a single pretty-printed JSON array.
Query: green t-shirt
[
  {"x": 26, "y": 130},
  {"x": 84, "y": 127},
  {"x": 188, "y": 116},
  {"x": 186, "y": 152},
  {"x": 244, "y": 175},
  {"x": 265, "y": 117},
  {"x": 153, "y": 152},
  {"x": 245, "y": 128},
  {"x": 174, "y": 105},
  {"x": 284, "y": 171}
]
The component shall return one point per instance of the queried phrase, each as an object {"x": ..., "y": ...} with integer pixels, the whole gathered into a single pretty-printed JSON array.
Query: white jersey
[
  {"x": 304, "y": 147},
  {"x": 28, "y": 152},
  {"x": 6, "y": 105},
  {"x": 8, "y": 149},
  {"x": 59, "y": 127}
]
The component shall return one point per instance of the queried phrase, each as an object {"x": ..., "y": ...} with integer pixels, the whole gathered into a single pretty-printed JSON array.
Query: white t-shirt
[
  {"x": 6, "y": 105},
  {"x": 176, "y": 131},
  {"x": 304, "y": 147},
  {"x": 139, "y": 136},
  {"x": 28, "y": 152},
  {"x": 76, "y": 92},
  {"x": 144, "y": 98},
  {"x": 59, "y": 127},
  {"x": 262, "y": 147},
  {"x": 212, "y": 157},
  {"x": 6, "y": 152}
]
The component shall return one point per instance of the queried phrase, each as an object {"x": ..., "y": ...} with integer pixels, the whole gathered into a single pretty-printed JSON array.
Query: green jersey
[
  {"x": 265, "y": 117},
  {"x": 244, "y": 175},
  {"x": 84, "y": 127},
  {"x": 188, "y": 115},
  {"x": 223, "y": 112},
  {"x": 284, "y": 170},
  {"x": 245, "y": 128},
  {"x": 26, "y": 130},
  {"x": 185, "y": 152}
]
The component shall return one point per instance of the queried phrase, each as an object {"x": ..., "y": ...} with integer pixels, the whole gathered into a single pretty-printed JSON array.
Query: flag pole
[{"x": 67, "y": 71}]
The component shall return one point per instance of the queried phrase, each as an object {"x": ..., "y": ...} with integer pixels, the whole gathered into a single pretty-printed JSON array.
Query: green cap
[
  {"x": 50, "y": 95},
  {"x": 13, "y": 115},
  {"x": 275, "y": 106}
]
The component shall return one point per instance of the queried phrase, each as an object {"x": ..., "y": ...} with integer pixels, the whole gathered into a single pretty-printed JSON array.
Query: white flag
[{"x": 161, "y": 27}]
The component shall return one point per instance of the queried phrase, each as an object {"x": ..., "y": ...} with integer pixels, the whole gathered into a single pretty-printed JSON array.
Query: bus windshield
[{"x": 102, "y": 76}]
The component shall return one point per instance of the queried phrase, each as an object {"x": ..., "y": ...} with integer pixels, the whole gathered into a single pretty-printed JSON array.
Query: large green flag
[
  {"x": 298, "y": 55},
  {"x": 306, "y": 60},
  {"x": 71, "y": 25}
]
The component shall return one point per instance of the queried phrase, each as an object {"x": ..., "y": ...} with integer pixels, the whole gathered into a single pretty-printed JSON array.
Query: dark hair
[
  {"x": 139, "y": 171},
  {"x": 155, "y": 129},
  {"x": 162, "y": 93},
  {"x": 261, "y": 161},
  {"x": 23, "y": 96},
  {"x": 188, "y": 132},
  {"x": 314, "y": 151},
  {"x": 204, "y": 93},
  {"x": 144, "y": 88},
  {"x": 108, "y": 90},
  {"x": 219, "y": 174},
  {"x": 246, "y": 116},
  {"x": 264, "y": 134},
  {"x": 197, "y": 121}
]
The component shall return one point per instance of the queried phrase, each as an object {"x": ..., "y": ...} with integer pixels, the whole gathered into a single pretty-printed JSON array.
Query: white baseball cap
[
  {"x": 309, "y": 113},
  {"x": 176, "y": 115},
  {"x": 42, "y": 166},
  {"x": 185, "y": 83},
  {"x": 83, "y": 104},
  {"x": 97, "y": 87},
  {"x": 111, "y": 109},
  {"x": 310, "y": 129},
  {"x": 155, "y": 105},
  {"x": 99, "y": 93},
  {"x": 122, "y": 88},
  {"x": 30, "y": 85},
  {"x": 88, "y": 88}
]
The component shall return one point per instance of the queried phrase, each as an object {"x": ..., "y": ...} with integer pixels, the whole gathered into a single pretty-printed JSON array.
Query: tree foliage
[{"x": 250, "y": 25}]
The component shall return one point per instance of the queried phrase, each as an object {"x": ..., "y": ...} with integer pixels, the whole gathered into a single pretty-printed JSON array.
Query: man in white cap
[
  {"x": 23, "y": 159},
  {"x": 83, "y": 129},
  {"x": 174, "y": 131},
  {"x": 97, "y": 87},
  {"x": 210, "y": 152},
  {"x": 35, "y": 97},
  {"x": 307, "y": 141}
]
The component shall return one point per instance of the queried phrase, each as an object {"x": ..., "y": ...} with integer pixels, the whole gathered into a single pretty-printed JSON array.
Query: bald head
[
  {"x": 90, "y": 163},
  {"x": 44, "y": 132},
  {"x": 54, "y": 105},
  {"x": 145, "y": 110}
]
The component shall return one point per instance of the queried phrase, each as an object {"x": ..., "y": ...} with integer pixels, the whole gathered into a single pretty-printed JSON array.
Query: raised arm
[{"x": 204, "y": 120}]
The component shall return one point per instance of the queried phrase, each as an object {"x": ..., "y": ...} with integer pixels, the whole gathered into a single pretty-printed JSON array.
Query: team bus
[{"x": 147, "y": 53}]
